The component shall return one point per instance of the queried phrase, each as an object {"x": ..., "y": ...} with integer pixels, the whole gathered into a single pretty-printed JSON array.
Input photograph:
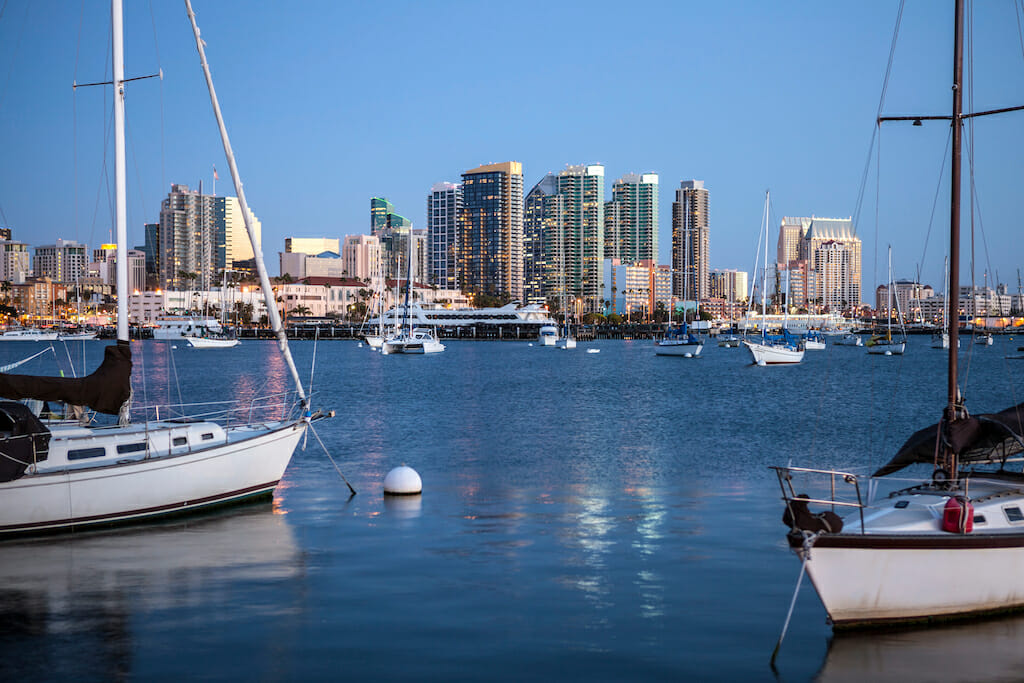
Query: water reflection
[
  {"x": 403, "y": 507},
  {"x": 83, "y": 595},
  {"x": 991, "y": 650}
]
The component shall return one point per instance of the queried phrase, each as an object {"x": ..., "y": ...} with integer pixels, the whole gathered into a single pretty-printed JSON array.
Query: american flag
[{"x": 215, "y": 176}]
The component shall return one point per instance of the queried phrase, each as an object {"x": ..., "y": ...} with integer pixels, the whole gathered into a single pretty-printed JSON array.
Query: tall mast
[
  {"x": 261, "y": 269},
  {"x": 120, "y": 201},
  {"x": 953, "y": 296}
]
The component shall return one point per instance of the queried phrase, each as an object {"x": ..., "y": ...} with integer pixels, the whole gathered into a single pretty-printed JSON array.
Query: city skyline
[{"x": 762, "y": 97}]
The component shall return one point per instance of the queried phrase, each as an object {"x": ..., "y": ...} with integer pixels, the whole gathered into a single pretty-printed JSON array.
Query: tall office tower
[
  {"x": 690, "y": 249},
  {"x": 833, "y": 251},
  {"x": 313, "y": 246},
  {"x": 490, "y": 227},
  {"x": 443, "y": 205},
  {"x": 539, "y": 221},
  {"x": 64, "y": 261},
  {"x": 14, "y": 261},
  {"x": 393, "y": 231},
  {"x": 631, "y": 218},
  {"x": 360, "y": 255},
  {"x": 791, "y": 232},
  {"x": 199, "y": 236}
]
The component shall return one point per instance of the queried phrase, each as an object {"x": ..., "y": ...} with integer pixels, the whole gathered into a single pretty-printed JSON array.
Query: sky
[{"x": 331, "y": 103}]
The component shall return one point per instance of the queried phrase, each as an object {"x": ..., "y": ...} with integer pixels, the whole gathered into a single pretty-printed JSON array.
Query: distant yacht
[
  {"x": 180, "y": 326},
  {"x": 436, "y": 315}
]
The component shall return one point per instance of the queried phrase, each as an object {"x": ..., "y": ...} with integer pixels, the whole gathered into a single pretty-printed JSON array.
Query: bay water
[{"x": 599, "y": 516}]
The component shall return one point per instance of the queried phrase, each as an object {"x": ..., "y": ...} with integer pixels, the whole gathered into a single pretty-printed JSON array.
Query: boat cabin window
[
  {"x": 179, "y": 441},
  {"x": 1013, "y": 514},
  {"x": 979, "y": 519},
  {"x": 131, "y": 447},
  {"x": 82, "y": 453},
  {"x": 902, "y": 504},
  {"x": 207, "y": 436}
]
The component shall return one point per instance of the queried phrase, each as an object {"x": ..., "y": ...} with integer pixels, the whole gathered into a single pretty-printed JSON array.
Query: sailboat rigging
[
  {"x": 60, "y": 476},
  {"x": 950, "y": 545},
  {"x": 784, "y": 349},
  {"x": 887, "y": 346}
]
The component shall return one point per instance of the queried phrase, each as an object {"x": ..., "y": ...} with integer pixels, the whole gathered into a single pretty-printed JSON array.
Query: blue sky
[{"x": 331, "y": 103}]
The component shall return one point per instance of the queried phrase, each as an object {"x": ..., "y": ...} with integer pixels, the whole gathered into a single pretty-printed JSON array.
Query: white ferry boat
[
  {"x": 436, "y": 315},
  {"x": 181, "y": 326}
]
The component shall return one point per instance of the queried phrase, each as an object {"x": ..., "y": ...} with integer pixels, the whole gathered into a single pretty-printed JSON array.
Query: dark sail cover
[
  {"x": 104, "y": 391},
  {"x": 985, "y": 438},
  {"x": 23, "y": 440}
]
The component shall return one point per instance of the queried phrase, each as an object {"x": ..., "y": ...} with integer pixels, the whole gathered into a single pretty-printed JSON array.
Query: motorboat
[
  {"x": 421, "y": 340},
  {"x": 548, "y": 335}
]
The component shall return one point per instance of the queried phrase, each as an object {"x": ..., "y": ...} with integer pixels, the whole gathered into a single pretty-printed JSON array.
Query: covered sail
[
  {"x": 105, "y": 390},
  {"x": 989, "y": 437}
]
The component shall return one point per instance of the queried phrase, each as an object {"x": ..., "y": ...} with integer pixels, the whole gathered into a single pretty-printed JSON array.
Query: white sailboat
[
  {"x": 69, "y": 475},
  {"x": 408, "y": 339},
  {"x": 949, "y": 545},
  {"x": 940, "y": 339},
  {"x": 204, "y": 338},
  {"x": 781, "y": 350},
  {"x": 887, "y": 346},
  {"x": 678, "y": 340}
]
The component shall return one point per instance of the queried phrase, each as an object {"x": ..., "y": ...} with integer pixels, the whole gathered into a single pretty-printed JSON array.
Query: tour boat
[
  {"x": 69, "y": 474},
  {"x": 548, "y": 335},
  {"x": 944, "y": 546}
]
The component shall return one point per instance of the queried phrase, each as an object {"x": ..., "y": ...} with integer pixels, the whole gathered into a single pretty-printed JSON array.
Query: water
[{"x": 602, "y": 516}]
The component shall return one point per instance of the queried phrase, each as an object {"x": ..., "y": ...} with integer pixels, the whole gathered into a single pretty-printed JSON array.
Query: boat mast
[
  {"x": 261, "y": 269},
  {"x": 953, "y": 297},
  {"x": 764, "y": 272},
  {"x": 120, "y": 201}
]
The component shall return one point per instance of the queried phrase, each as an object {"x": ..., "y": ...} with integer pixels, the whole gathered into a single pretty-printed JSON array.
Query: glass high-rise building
[
  {"x": 539, "y": 222},
  {"x": 443, "y": 205},
  {"x": 393, "y": 232},
  {"x": 566, "y": 236},
  {"x": 690, "y": 244},
  {"x": 490, "y": 227},
  {"x": 631, "y": 218}
]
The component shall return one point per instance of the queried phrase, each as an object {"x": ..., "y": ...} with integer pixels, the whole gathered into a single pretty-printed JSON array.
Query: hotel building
[{"x": 690, "y": 243}]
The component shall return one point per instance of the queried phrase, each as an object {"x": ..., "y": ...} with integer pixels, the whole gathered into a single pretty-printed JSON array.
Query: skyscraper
[
  {"x": 690, "y": 248},
  {"x": 443, "y": 205},
  {"x": 392, "y": 230},
  {"x": 539, "y": 222},
  {"x": 490, "y": 228},
  {"x": 631, "y": 218},
  {"x": 833, "y": 251},
  {"x": 565, "y": 234},
  {"x": 199, "y": 235}
]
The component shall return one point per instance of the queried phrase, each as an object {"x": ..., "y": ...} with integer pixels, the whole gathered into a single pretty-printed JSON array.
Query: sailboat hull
[
  {"x": 250, "y": 463},
  {"x": 211, "y": 343},
  {"x": 883, "y": 348},
  {"x": 886, "y": 579},
  {"x": 768, "y": 354},
  {"x": 669, "y": 347}
]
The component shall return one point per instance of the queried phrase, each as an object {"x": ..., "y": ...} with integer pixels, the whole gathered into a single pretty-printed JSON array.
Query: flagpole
[{"x": 215, "y": 180}]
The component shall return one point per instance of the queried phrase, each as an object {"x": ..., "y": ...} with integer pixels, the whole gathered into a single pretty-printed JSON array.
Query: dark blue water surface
[{"x": 585, "y": 516}]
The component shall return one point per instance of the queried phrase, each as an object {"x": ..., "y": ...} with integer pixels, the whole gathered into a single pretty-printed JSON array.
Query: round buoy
[
  {"x": 687, "y": 355},
  {"x": 761, "y": 363},
  {"x": 174, "y": 346},
  {"x": 403, "y": 481},
  {"x": 359, "y": 346},
  {"x": 888, "y": 353}
]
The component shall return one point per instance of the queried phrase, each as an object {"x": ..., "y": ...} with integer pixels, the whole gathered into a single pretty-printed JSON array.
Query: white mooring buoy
[{"x": 402, "y": 481}]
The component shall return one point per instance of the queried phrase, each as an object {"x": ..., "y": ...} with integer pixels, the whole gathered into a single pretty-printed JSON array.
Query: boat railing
[
  {"x": 831, "y": 483},
  {"x": 268, "y": 407}
]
